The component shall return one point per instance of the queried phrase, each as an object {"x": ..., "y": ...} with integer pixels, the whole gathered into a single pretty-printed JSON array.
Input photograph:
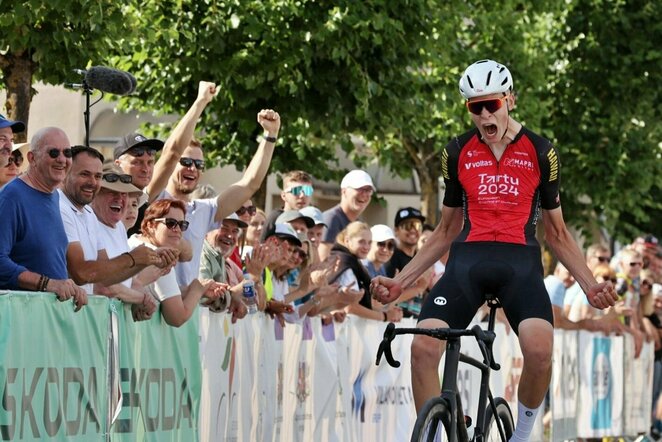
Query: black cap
[
  {"x": 133, "y": 139},
  {"x": 407, "y": 213},
  {"x": 16, "y": 126}
]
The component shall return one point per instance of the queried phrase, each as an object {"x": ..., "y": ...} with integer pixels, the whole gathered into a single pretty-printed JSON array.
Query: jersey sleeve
[
  {"x": 449, "y": 161},
  {"x": 550, "y": 177}
]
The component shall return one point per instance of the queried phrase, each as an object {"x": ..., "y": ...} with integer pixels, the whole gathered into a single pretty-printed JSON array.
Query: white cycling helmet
[{"x": 485, "y": 77}]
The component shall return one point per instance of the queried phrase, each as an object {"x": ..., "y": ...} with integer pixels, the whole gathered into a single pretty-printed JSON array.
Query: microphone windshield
[{"x": 109, "y": 80}]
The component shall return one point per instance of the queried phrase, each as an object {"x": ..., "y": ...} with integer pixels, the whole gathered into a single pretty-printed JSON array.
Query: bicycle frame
[{"x": 449, "y": 390}]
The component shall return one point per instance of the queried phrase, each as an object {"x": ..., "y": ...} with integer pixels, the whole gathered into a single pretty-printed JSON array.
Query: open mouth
[
  {"x": 116, "y": 208},
  {"x": 490, "y": 129},
  {"x": 188, "y": 178}
]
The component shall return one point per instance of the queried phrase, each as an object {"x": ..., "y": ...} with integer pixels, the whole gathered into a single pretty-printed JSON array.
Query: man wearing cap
[
  {"x": 33, "y": 243},
  {"x": 408, "y": 227},
  {"x": 314, "y": 233},
  {"x": 135, "y": 154},
  {"x": 87, "y": 260},
  {"x": 13, "y": 167},
  {"x": 204, "y": 215},
  {"x": 299, "y": 222},
  {"x": 214, "y": 264},
  {"x": 296, "y": 194},
  {"x": 7, "y": 130},
  {"x": 356, "y": 190}
]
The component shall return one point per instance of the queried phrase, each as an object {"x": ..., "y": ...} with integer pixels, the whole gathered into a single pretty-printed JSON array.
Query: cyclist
[{"x": 499, "y": 175}]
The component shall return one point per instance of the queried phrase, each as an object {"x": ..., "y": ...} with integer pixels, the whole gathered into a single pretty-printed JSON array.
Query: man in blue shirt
[{"x": 33, "y": 243}]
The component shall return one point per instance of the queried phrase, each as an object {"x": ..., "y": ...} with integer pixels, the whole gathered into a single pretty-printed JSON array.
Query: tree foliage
[
  {"x": 45, "y": 39},
  {"x": 606, "y": 114}
]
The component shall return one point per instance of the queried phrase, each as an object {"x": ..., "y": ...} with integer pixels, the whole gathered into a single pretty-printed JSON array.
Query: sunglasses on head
[
  {"x": 188, "y": 162},
  {"x": 298, "y": 190},
  {"x": 250, "y": 209},
  {"x": 14, "y": 160},
  {"x": 54, "y": 152},
  {"x": 386, "y": 245},
  {"x": 140, "y": 151},
  {"x": 492, "y": 105},
  {"x": 114, "y": 177},
  {"x": 171, "y": 223}
]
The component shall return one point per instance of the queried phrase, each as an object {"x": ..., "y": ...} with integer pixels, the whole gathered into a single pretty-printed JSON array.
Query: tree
[
  {"x": 321, "y": 64},
  {"x": 606, "y": 114},
  {"x": 45, "y": 39}
]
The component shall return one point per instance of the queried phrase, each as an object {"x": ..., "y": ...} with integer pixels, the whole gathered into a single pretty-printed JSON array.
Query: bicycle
[{"x": 446, "y": 409}]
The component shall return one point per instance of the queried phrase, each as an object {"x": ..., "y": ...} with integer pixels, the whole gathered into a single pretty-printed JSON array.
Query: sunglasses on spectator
[
  {"x": 140, "y": 151},
  {"x": 412, "y": 224},
  {"x": 14, "y": 160},
  {"x": 302, "y": 254},
  {"x": 54, "y": 152},
  {"x": 298, "y": 190},
  {"x": 250, "y": 209},
  {"x": 634, "y": 264},
  {"x": 603, "y": 259},
  {"x": 492, "y": 105},
  {"x": 171, "y": 223},
  {"x": 386, "y": 245},
  {"x": 647, "y": 283},
  {"x": 188, "y": 162},
  {"x": 114, "y": 177}
]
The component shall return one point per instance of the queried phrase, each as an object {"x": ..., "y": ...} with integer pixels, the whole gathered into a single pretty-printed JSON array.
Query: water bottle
[{"x": 249, "y": 294}]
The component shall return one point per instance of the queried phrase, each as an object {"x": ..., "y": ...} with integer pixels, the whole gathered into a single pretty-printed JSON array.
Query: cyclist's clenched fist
[{"x": 385, "y": 290}]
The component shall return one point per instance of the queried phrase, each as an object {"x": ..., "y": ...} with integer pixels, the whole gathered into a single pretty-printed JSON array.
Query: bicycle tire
[
  {"x": 434, "y": 412},
  {"x": 504, "y": 415}
]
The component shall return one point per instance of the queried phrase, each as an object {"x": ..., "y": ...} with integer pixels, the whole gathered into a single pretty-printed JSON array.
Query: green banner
[
  {"x": 53, "y": 368},
  {"x": 160, "y": 378}
]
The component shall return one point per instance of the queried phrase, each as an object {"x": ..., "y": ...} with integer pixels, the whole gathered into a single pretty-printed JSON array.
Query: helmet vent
[
  {"x": 471, "y": 85},
  {"x": 489, "y": 75},
  {"x": 505, "y": 80}
]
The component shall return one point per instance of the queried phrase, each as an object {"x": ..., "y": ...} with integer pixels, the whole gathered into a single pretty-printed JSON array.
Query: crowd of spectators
[{"x": 144, "y": 230}]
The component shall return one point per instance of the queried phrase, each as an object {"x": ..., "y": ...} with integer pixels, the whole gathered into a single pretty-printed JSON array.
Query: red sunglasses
[{"x": 491, "y": 104}]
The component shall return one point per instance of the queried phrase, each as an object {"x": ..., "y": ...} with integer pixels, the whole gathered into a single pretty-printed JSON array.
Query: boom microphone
[{"x": 110, "y": 80}]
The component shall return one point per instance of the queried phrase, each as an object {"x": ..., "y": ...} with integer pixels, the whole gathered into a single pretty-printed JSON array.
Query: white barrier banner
[
  {"x": 564, "y": 386},
  {"x": 308, "y": 381},
  {"x": 639, "y": 380},
  {"x": 600, "y": 409}
]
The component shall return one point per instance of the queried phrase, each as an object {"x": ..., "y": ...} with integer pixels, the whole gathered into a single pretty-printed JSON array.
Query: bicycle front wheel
[
  {"x": 433, "y": 421},
  {"x": 504, "y": 415}
]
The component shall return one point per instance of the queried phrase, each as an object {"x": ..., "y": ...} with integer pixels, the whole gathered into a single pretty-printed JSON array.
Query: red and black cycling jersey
[{"x": 501, "y": 199}]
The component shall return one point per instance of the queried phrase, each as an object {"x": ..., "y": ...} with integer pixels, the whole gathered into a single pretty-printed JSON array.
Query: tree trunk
[{"x": 18, "y": 70}]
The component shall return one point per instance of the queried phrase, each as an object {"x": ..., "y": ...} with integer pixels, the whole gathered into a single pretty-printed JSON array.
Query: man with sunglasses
[
  {"x": 87, "y": 260},
  {"x": 12, "y": 169},
  {"x": 33, "y": 242},
  {"x": 408, "y": 227},
  {"x": 136, "y": 154},
  {"x": 205, "y": 214},
  {"x": 7, "y": 130},
  {"x": 500, "y": 178},
  {"x": 297, "y": 193}
]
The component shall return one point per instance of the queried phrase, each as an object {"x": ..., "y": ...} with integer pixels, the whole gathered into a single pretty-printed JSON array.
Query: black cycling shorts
[{"x": 511, "y": 272}]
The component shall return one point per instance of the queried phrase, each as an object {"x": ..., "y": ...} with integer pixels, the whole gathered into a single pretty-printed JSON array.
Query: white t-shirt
[
  {"x": 348, "y": 279},
  {"x": 166, "y": 286},
  {"x": 200, "y": 214},
  {"x": 114, "y": 241},
  {"x": 81, "y": 226}
]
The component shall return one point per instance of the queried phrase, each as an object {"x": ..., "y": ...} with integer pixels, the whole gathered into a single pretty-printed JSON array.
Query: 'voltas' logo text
[{"x": 482, "y": 163}]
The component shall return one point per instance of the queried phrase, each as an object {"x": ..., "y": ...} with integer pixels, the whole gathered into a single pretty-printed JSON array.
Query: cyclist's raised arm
[
  {"x": 567, "y": 251},
  {"x": 387, "y": 290}
]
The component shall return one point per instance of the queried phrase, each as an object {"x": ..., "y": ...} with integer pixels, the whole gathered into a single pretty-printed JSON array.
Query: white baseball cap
[
  {"x": 381, "y": 232},
  {"x": 356, "y": 179},
  {"x": 314, "y": 213},
  {"x": 286, "y": 231}
]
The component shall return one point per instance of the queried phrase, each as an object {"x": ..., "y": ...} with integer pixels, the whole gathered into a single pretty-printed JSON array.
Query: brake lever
[
  {"x": 385, "y": 347},
  {"x": 486, "y": 339}
]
